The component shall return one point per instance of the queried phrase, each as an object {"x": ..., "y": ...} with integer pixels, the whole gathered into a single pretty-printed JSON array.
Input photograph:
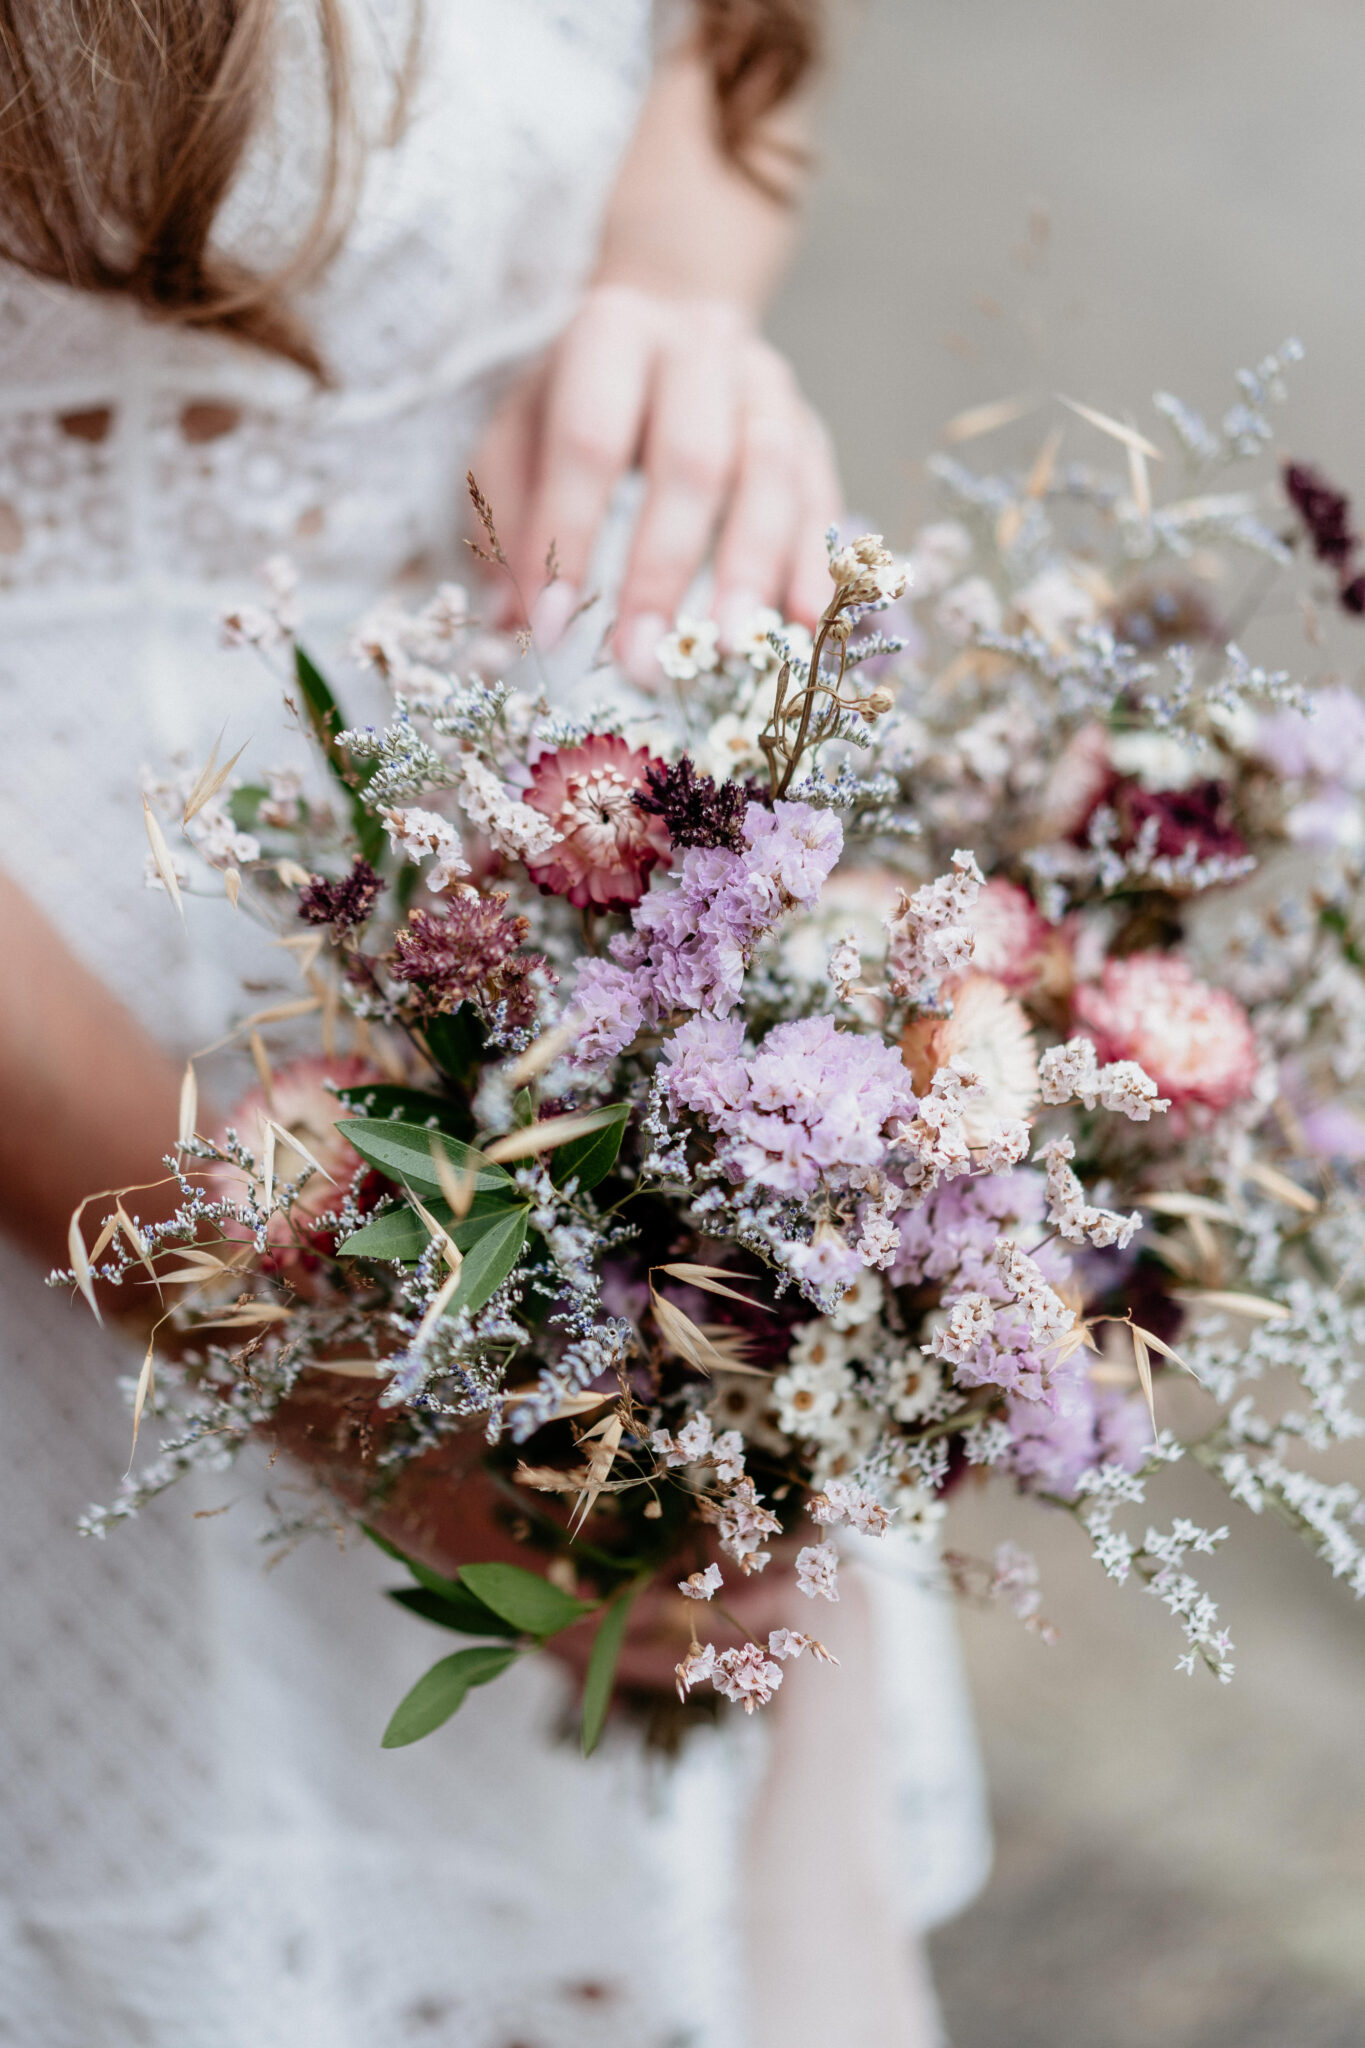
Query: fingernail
[
  {"x": 552, "y": 611},
  {"x": 640, "y": 647},
  {"x": 734, "y": 613}
]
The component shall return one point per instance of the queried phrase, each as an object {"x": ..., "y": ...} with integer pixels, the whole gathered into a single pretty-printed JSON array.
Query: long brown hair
[{"x": 123, "y": 126}]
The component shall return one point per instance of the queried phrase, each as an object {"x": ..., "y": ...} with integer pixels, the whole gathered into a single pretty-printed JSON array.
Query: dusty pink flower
[
  {"x": 1010, "y": 935},
  {"x": 1194, "y": 1040},
  {"x": 606, "y": 845},
  {"x": 746, "y": 1676}
]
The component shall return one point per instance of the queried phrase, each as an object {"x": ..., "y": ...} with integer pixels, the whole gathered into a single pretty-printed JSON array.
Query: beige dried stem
[
  {"x": 1128, "y": 437},
  {"x": 458, "y": 1188},
  {"x": 161, "y": 856},
  {"x": 608, "y": 1433},
  {"x": 211, "y": 780},
  {"x": 711, "y": 1279},
  {"x": 542, "y": 1054},
  {"x": 985, "y": 419},
  {"x": 544, "y": 1137},
  {"x": 686, "y": 1340}
]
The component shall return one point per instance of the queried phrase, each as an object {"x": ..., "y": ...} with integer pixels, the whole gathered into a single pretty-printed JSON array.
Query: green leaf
[
  {"x": 523, "y": 1109},
  {"x": 244, "y": 803},
  {"x": 382, "y": 1101},
  {"x": 601, "y": 1672},
  {"x": 591, "y": 1158},
  {"x": 403, "y": 1152},
  {"x": 463, "y": 1613},
  {"x": 455, "y": 1041},
  {"x": 448, "y": 1591},
  {"x": 401, "y": 1234},
  {"x": 489, "y": 1259},
  {"x": 326, "y": 718},
  {"x": 442, "y": 1691},
  {"x": 529, "y": 1602}
]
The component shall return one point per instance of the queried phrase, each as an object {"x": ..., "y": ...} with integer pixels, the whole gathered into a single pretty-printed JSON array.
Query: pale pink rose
[
  {"x": 1195, "y": 1041},
  {"x": 1011, "y": 937}
]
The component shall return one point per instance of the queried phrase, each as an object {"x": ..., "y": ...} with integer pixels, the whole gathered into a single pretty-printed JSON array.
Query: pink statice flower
[
  {"x": 606, "y": 846},
  {"x": 1194, "y": 1041},
  {"x": 702, "y": 1585}
]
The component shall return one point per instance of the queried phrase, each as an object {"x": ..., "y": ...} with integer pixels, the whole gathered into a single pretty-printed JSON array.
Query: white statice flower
[
  {"x": 217, "y": 839},
  {"x": 843, "y": 1500},
  {"x": 817, "y": 1571},
  {"x": 421, "y": 835},
  {"x": 1068, "y": 1210},
  {"x": 280, "y": 804},
  {"x": 743, "y": 1523},
  {"x": 1071, "y": 1072},
  {"x": 1015, "y": 1580},
  {"x": 701, "y": 1585},
  {"x": 790, "y": 1642},
  {"x": 969, "y": 1324},
  {"x": 1055, "y": 604},
  {"x": 697, "y": 1668},
  {"x": 1048, "y": 1317},
  {"x": 937, "y": 1137},
  {"x": 845, "y": 966},
  {"x": 930, "y": 932},
  {"x": 747, "y": 1677},
  {"x": 692, "y": 649},
  {"x": 727, "y": 1455},
  {"x": 853, "y": 1437},
  {"x": 515, "y": 829},
  {"x": 860, "y": 1304},
  {"x": 969, "y": 608},
  {"x": 867, "y": 570},
  {"x": 878, "y": 1241},
  {"x": 938, "y": 555},
  {"x": 1006, "y": 1146},
  {"x": 690, "y": 1446}
]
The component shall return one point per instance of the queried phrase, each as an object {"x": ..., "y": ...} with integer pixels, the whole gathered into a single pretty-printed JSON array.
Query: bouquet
[{"x": 899, "y": 1054}]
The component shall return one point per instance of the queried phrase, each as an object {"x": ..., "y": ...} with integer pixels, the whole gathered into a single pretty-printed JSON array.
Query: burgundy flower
[
  {"x": 607, "y": 845},
  {"x": 342, "y": 904},
  {"x": 1193, "y": 822},
  {"x": 471, "y": 954},
  {"x": 1324, "y": 510},
  {"x": 697, "y": 810}
]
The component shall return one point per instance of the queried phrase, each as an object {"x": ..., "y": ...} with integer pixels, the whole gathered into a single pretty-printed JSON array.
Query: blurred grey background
[{"x": 1104, "y": 199}]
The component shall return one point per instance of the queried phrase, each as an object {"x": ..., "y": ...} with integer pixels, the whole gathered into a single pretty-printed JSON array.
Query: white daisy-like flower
[
  {"x": 914, "y": 1383},
  {"x": 990, "y": 1031},
  {"x": 690, "y": 650},
  {"x": 807, "y": 1398},
  {"x": 859, "y": 1304}
]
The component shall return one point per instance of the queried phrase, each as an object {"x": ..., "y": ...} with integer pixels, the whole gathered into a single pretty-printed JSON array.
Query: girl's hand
[{"x": 687, "y": 389}]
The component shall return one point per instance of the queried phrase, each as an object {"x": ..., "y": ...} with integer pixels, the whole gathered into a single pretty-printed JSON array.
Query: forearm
[
  {"x": 686, "y": 222},
  {"x": 90, "y": 1101}
]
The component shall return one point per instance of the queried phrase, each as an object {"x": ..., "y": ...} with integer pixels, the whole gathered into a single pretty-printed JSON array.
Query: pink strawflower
[
  {"x": 1011, "y": 936},
  {"x": 1193, "y": 1040},
  {"x": 606, "y": 846}
]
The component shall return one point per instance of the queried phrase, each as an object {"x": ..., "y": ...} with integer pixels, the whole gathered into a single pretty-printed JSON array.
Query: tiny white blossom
[
  {"x": 701, "y": 1585},
  {"x": 690, "y": 650},
  {"x": 817, "y": 1571}
]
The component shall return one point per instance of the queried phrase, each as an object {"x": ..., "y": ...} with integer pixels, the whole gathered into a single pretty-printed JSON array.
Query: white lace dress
[{"x": 203, "y": 1845}]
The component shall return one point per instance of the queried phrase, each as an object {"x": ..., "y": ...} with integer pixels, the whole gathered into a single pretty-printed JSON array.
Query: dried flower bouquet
[{"x": 916, "y": 1049}]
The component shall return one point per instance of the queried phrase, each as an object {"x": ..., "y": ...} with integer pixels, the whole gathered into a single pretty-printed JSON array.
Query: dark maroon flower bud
[
  {"x": 697, "y": 810},
  {"x": 343, "y": 904},
  {"x": 1324, "y": 510}
]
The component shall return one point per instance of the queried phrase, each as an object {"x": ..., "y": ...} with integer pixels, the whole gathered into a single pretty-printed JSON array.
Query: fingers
[
  {"x": 822, "y": 500},
  {"x": 503, "y": 469},
  {"x": 690, "y": 456},
  {"x": 594, "y": 411},
  {"x": 757, "y": 545}
]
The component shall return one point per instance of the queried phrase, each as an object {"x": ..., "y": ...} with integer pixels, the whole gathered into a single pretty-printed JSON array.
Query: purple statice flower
[
  {"x": 692, "y": 938},
  {"x": 1083, "y": 1426},
  {"x": 810, "y": 1106},
  {"x": 952, "y": 1236}
]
